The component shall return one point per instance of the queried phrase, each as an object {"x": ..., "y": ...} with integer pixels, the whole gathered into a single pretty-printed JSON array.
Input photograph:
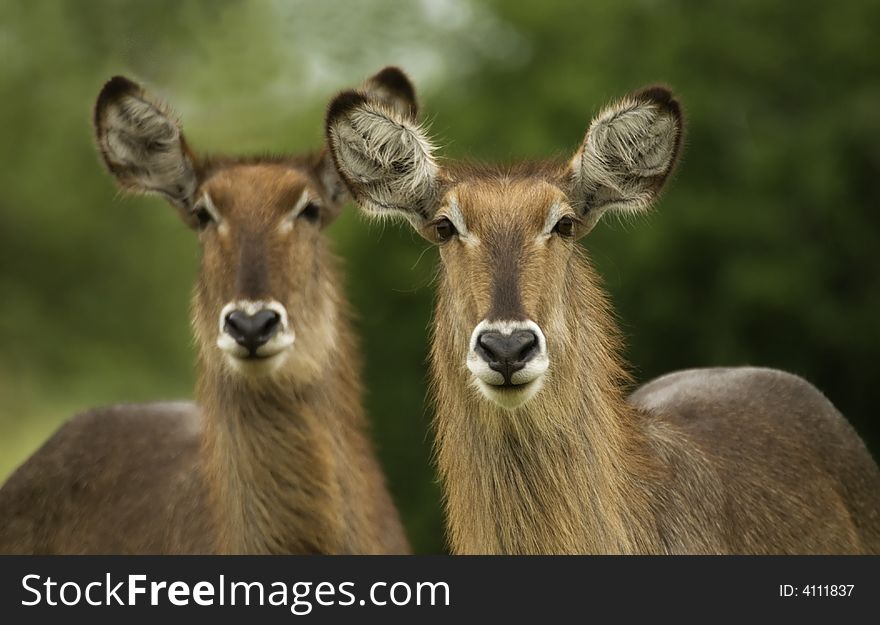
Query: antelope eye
[
  {"x": 310, "y": 212},
  {"x": 203, "y": 217},
  {"x": 444, "y": 230},
  {"x": 565, "y": 227}
]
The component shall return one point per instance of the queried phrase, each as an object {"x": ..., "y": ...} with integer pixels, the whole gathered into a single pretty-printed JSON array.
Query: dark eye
[
  {"x": 310, "y": 212},
  {"x": 444, "y": 230},
  {"x": 203, "y": 217},
  {"x": 565, "y": 227}
]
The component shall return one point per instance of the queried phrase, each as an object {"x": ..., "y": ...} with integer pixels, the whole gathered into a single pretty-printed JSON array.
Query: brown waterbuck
[
  {"x": 538, "y": 448},
  {"x": 275, "y": 458}
]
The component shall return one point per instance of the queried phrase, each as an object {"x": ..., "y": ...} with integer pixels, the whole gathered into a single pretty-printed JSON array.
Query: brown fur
[
  {"x": 269, "y": 462},
  {"x": 705, "y": 461}
]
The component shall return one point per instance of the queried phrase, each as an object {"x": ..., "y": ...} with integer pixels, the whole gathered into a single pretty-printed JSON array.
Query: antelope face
[
  {"x": 505, "y": 234},
  {"x": 504, "y": 248},
  {"x": 262, "y": 296},
  {"x": 265, "y": 300}
]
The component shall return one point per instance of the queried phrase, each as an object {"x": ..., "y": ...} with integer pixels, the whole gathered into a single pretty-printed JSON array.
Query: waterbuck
[
  {"x": 275, "y": 457},
  {"x": 539, "y": 449}
]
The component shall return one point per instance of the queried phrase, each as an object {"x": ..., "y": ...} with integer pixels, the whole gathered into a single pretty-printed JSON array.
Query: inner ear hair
[
  {"x": 385, "y": 159},
  {"x": 628, "y": 152},
  {"x": 141, "y": 143}
]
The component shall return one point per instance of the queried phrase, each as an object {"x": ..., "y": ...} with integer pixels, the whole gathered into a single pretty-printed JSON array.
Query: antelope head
[
  {"x": 265, "y": 300},
  {"x": 507, "y": 235}
]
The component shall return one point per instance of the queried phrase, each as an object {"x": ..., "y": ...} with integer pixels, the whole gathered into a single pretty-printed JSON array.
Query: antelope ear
[
  {"x": 627, "y": 155},
  {"x": 384, "y": 157},
  {"x": 393, "y": 88},
  {"x": 142, "y": 145}
]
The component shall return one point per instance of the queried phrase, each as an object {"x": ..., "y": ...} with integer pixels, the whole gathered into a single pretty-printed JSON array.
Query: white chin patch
[
  {"x": 526, "y": 382},
  {"x": 270, "y": 356},
  {"x": 510, "y": 397},
  {"x": 256, "y": 367}
]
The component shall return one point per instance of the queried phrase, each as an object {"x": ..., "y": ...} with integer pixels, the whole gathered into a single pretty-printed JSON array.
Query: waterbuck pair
[
  {"x": 539, "y": 449},
  {"x": 274, "y": 458}
]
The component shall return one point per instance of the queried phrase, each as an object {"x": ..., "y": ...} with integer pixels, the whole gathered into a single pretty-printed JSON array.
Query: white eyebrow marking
[
  {"x": 208, "y": 205},
  {"x": 454, "y": 214},
  {"x": 554, "y": 214},
  {"x": 301, "y": 203}
]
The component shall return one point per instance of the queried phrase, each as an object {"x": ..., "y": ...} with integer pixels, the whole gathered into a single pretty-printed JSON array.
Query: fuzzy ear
[
  {"x": 627, "y": 155},
  {"x": 393, "y": 88},
  {"x": 142, "y": 144},
  {"x": 384, "y": 157}
]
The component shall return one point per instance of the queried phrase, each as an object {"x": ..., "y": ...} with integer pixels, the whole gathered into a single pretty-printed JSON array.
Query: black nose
[
  {"x": 507, "y": 353},
  {"x": 252, "y": 331}
]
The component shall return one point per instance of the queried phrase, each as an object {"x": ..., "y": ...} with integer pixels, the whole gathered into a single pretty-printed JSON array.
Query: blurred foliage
[{"x": 763, "y": 250}]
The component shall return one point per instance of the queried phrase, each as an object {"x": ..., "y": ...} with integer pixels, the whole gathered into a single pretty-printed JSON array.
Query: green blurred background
[{"x": 763, "y": 251}]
